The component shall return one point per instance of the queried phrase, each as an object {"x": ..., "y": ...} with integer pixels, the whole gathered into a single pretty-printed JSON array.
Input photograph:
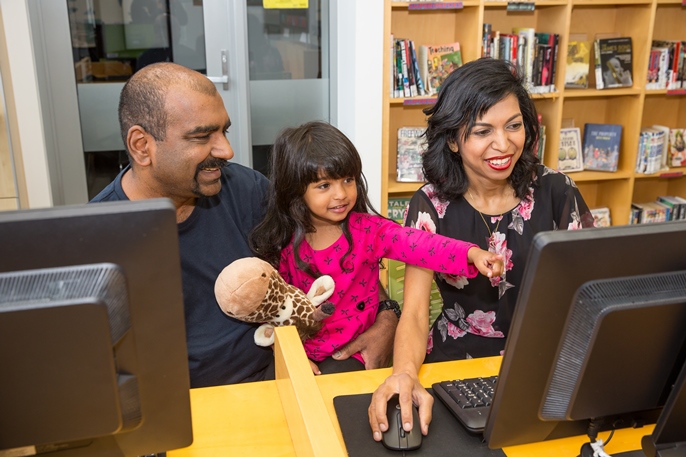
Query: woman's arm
[{"x": 408, "y": 355}]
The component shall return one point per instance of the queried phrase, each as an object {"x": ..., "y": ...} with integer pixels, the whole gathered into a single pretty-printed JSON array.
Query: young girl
[{"x": 318, "y": 222}]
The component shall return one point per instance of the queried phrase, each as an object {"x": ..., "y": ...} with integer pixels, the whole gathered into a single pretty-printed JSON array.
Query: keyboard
[{"x": 468, "y": 399}]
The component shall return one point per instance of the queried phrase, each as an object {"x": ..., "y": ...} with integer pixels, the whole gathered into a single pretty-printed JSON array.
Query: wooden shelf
[{"x": 633, "y": 108}]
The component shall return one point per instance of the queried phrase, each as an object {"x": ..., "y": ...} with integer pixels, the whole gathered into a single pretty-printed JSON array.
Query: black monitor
[
  {"x": 93, "y": 358},
  {"x": 597, "y": 332},
  {"x": 669, "y": 436}
]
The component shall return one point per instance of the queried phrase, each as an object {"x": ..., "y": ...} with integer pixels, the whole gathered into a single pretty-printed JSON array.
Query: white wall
[
  {"x": 357, "y": 81},
  {"x": 24, "y": 86}
]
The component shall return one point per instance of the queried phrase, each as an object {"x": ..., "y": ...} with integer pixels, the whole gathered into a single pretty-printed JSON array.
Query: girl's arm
[{"x": 408, "y": 355}]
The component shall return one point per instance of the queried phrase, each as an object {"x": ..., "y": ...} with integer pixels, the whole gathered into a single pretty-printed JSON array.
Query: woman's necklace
[{"x": 488, "y": 227}]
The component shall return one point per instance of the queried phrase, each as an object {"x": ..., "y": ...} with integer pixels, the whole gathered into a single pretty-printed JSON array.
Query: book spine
[
  {"x": 399, "y": 92},
  {"x": 415, "y": 68},
  {"x": 393, "y": 68},
  {"x": 412, "y": 81},
  {"x": 675, "y": 66},
  {"x": 406, "y": 77},
  {"x": 598, "y": 70},
  {"x": 486, "y": 41},
  {"x": 553, "y": 68}
]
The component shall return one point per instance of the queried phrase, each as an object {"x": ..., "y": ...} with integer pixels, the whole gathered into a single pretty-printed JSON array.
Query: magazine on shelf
[
  {"x": 601, "y": 217},
  {"x": 578, "y": 64},
  {"x": 397, "y": 207},
  {"x": 411, "y": 146},
  {"x": 614, "y": 62},
  {"x": 601, "y": 146},
  {"x": 677, "y": 147},
  {"x": 438, "y": 61},
  {"x": 569, "y": 153}
]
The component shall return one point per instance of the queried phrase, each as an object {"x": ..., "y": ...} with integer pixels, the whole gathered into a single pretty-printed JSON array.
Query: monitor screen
[
  {"x": 560, "y": 265},
  {"x": 92, "y": 334}
]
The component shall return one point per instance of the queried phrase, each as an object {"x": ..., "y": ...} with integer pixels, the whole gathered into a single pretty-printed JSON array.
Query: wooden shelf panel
[{"x": 633, "y": 107}]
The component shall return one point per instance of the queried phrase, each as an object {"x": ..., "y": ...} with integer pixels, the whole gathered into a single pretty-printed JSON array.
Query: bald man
[{"x": 174, "y": 125}]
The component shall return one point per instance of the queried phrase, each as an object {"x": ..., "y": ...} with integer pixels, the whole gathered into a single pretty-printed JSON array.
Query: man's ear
[{"x": 140, "y": 144}]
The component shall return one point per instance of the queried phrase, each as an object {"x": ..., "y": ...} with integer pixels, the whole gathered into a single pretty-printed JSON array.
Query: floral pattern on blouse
[{"x": 477, "y": 311}]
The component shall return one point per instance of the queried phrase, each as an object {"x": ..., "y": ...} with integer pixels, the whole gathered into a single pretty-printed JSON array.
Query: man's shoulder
[{"x": 113, "y": 191}]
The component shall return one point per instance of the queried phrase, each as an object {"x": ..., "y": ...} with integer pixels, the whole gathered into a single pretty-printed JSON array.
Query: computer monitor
[
  {"x": 561, "y": 265},
  {"x": 92, "y": 334},
  {"x": 669, "y": 436}
]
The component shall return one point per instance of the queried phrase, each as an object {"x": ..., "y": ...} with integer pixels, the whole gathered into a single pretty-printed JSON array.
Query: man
[{"x": 174, "y": 124}]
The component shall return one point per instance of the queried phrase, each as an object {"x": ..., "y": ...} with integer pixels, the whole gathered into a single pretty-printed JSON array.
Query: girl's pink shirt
[{"x": 356, "y": 295}]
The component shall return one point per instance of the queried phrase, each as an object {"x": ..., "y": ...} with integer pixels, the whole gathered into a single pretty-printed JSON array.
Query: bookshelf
[{"x": 632, "y": 107}]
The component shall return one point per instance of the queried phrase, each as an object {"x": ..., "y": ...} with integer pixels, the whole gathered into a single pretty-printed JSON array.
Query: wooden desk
[{"x": 248, "y": 419}]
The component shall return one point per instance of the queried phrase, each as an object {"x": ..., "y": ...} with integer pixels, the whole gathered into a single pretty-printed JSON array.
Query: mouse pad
[{"x": 446, "y": 436}]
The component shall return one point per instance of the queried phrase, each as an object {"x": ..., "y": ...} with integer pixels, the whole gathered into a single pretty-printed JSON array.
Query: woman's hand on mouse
[{"x": 409, "y": 390}]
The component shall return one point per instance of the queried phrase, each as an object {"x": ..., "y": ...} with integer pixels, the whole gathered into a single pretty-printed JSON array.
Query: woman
[{"x": 484, "y": 185}]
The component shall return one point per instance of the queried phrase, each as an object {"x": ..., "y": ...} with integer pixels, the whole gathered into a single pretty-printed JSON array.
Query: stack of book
[
  {"x": 666, "y": 65},
  {"x": 420, "y": 70},
  {"x": 665, "y": 208},
  {"x": 534, "y": 53},
  {"x": 405, "y": 78}
]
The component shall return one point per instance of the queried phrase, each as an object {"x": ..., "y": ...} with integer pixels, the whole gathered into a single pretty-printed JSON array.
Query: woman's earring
[{"x": 454, "y": 148}]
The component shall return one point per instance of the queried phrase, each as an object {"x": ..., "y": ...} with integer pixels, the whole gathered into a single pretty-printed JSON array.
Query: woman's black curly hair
[{"x": 464, "y": 97}]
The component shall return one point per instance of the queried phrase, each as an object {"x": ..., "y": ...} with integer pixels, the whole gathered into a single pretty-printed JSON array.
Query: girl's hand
[
  {"x": 315, "y": 368},
  {"x": 488, "y": 263}
]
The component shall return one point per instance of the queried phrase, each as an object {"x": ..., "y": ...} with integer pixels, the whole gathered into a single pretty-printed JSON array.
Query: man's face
[{"x": 187, "y": 164}]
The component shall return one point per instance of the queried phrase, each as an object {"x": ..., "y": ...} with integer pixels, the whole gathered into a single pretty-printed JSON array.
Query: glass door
[
  {"x": 288, "y": 55},
  {"x": 271, "y": 66}
]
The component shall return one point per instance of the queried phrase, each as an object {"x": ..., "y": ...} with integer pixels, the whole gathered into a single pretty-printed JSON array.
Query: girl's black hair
[
  {"x": 300, "y": 156},
  {"x": 464, "y": 97}
]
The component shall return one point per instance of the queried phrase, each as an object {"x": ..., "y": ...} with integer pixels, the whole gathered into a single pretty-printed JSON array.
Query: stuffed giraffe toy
[{"x": 251, "y": 290}]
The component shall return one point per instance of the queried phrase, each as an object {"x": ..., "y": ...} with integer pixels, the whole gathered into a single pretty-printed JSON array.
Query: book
[
  {"x": 651, "y": 142},
  {"x": 527, "y": 38},
  {"x": 540, "y": 144},
  {"x": 664, "y": 157},
  {"x": 601, "y": 146},
  {"x": 411, "y": 146},
  {"x": 601, "y": 216},
  {"x": 415, "y": 69},
  {"x": 440, "y": 60},
  {"x": 397, "y": 207},
  {"x": 569, "y": 153},
  {"x": 615, "y": 63},
  {"x": 677, "y": 148},
  {"x": 670, "y": 71},
  {"x": 650, "y": 212},
  {"x": 578, "y": 64},
  {"x": 677, "y": 207}
]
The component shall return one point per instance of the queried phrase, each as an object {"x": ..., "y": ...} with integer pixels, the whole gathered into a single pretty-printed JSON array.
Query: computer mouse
[{"x": 396, "y": 438}]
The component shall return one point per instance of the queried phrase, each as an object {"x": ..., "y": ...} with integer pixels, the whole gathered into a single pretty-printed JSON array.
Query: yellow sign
[{"x": 282, "y": 4}]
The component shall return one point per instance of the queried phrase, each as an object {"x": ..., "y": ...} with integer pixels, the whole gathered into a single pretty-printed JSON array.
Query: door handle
[{"x": 224, "y": 78}]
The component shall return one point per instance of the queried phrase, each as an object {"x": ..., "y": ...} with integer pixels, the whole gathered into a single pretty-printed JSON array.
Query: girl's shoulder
[{"x": 363, "y": 218}]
